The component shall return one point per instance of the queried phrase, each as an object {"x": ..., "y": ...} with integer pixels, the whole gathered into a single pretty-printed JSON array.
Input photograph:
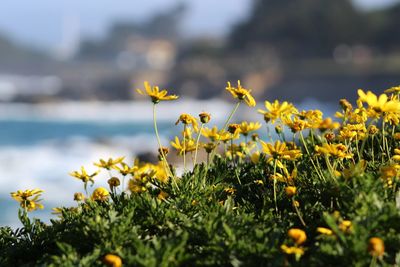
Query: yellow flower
[
  {"x": 188, "y": 119},
  {"x": 355, "y": 169},
  {"x": 230, "y": 190},
  {"x": 84, "y": 176},
  {"x": 277, "y": 110},
  {"x": 376, "y": 247},
  {"x": 394, "y": 89},
  {"x": 100, "y": 194},
  {"x": 28, "y": 199},
  {"x": 353, "y": 131},
  {"x": 335, "y": 150},
  {"x": 242, "y": 94},
  {"x": 125, "y": 169},
  {"x": 259, "y": 182},
  {"x": 328, "y": 124},
  {"x": 324, "y": 231},
  {"x": 247, "y": 127},
  {"x": 234, "y": 128},
  {"x": 280, "y": 151},
  {"x": 379, "y": 104},
  {"x": 155, "y": 94},
  {"x": 211, "y": 134},
  {"x": 112, "y": 260},
  {"x": 162, "y": 195},
  {"x": 290, "y": 191},
  {"x": 389, "y": 172},
  {"x": 110, "y": 163},
  {"x": 137, "y": 185},
  {"x": 297, "y": 235},
  {"x": 298, "y": 251},
  {"x": 255, "y": 157},
  {"x": 346, "y": 226},
  {"x": 209, "y": 147},
  {"x": 188, "y": 146},
  {"x": 295, "y": 124}
]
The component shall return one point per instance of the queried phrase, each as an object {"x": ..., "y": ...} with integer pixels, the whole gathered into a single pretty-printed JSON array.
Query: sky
[{"x": 48, "y": 23}]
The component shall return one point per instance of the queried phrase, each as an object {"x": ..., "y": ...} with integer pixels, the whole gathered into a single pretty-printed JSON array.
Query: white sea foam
[{"x": 111, "y": 111}]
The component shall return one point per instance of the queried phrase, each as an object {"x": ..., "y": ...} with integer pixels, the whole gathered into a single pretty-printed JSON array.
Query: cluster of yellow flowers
[{"x": 335, "y": 149}]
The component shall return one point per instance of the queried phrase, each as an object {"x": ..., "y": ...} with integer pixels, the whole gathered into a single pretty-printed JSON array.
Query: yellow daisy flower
[
  {"x": 155, "y": 94},
  {"x": 241, "y": 93}
]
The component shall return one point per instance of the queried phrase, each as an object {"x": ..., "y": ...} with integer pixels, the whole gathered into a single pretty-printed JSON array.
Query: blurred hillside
[{"x": 285, "y": 49}]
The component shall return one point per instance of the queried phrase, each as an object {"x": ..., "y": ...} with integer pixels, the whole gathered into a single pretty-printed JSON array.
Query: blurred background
[{"x": 68, "y": 69}]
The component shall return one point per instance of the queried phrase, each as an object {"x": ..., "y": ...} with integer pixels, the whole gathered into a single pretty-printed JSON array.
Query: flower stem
[
  {"x": 309, "y": 155},
  {"x": 231, "y": 115},
  {"x": 298, "y": 213},
  {"x": 163, "y": 157},
  {"x": 197, "y": 145},
  {"x": 276, "y": 205},
  {"x": 184, "y": 148}
]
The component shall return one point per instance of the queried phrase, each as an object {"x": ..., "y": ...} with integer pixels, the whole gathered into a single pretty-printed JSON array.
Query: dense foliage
[{"x": 329, "y": 196}]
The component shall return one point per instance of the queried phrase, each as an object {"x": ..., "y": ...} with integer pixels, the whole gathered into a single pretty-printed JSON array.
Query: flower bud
[
  {"x": 204, "y": 117},
  {"x": 113, "y": 182},
  {"x": 376, "y": 247},
  {"x": 278, "y": 129},
  {"x": 255, "y": 137},
  {"x": 346, "y": 106},
  {"x": 79, "y": 197},
  {"x": 112, "y": 260},
  {"x": 373, "y": 129},
  {"x": 233, "y": 128},
  {"x": 297, "y": 235},
  {"x": 290, "y": 191}
]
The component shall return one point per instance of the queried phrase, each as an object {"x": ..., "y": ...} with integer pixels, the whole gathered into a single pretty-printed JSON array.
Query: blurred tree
[{"x": 301, "y": 28}]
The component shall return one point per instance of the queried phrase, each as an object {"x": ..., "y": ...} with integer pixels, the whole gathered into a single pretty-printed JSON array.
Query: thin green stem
[
  {"x": 225, "y": 125},
  {"x": 309, "y": 155},
  {"x": 298, "y": 213},
  {"x": 231, "y": 115},
  {"x": 197, "y": 145},
  {"x": 184, "y": 148},
  {"x": 163, "y": 157},
  {"x": 276, "y": 205}
]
